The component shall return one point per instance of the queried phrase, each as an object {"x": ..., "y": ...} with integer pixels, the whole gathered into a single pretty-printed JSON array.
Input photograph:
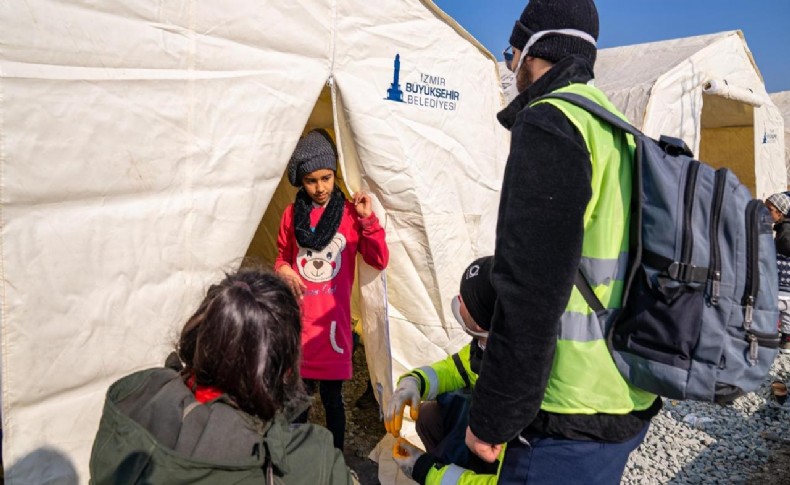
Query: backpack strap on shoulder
[
  {"x": 595, "y": 109},
  {"x": 607, "y": 116}
]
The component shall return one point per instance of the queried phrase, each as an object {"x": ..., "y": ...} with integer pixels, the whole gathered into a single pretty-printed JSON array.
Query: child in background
[
  {"x": 779, "y": 206},
  {"x": 320, "y": 235}
]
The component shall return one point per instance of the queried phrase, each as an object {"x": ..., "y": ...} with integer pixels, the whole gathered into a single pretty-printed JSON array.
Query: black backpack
[{"x": 699, "y": 318}]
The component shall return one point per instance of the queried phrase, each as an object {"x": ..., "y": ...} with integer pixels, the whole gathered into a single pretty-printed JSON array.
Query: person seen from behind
[
  {"x": 320, "y": 235},
  {"x": 779, "y": 206},
  {"x": 441, "y": 391},
  {"x": 548, "y": 387},
  {"x": 221, "y": 413}
]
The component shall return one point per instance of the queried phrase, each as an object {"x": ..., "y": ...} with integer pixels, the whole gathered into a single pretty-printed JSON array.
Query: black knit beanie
[
  {"x": 542, "y": 15},
  {"x": 313, "y": 152},
  {"x": 478, "y": 293}
]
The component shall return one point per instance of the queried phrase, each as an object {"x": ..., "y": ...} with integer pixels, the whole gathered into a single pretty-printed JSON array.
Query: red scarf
[{"x": 203, "y": 394}]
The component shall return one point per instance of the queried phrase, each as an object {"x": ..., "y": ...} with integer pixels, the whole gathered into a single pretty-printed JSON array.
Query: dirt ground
[
  {"x": 777, "y": 470},
  {"x": 364, "y": 426}
]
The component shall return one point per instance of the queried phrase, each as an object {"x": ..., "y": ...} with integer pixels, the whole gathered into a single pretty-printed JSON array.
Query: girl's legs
[{"x": 332, "y": 397}]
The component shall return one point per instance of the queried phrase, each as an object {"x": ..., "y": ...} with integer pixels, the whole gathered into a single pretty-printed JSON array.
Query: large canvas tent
[
  {"x": 782, "y": 102},
  {"x": 706, "y": 90},
  {"x": 142, "y": 151}
]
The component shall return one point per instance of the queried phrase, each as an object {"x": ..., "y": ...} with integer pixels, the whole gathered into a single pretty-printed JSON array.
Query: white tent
[
  {"x": 782, "y": 101},
  {"x": 142, "y": 153},
  {"x": 706, "y": 90}
]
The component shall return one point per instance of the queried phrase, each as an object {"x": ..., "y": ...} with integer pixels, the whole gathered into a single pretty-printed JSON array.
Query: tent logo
[
  {"x": 769, "y": 137},
  {"x": 394, "y": 93},
  {"x": 429, "y": 92}
]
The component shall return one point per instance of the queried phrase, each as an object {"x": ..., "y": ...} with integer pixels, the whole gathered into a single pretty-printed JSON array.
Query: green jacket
[{"x": 153, "y": 430}]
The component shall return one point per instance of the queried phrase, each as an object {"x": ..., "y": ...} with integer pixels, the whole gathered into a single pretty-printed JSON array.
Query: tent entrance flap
[
  {"x": 727, "y": 128},
  {"x": 263, "y": 248}
]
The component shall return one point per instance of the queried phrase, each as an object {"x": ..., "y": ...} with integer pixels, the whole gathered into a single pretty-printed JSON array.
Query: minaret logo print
[{"x": 394, "y": 93}]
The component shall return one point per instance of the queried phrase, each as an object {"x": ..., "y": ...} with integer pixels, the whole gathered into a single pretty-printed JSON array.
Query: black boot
[{"x": 367, "y": 400}]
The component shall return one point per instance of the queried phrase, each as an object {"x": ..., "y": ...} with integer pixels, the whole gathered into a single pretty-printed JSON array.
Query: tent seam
[{"x": 3, "y": 301}]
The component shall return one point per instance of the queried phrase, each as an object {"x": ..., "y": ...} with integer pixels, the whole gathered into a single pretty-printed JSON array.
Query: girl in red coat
[{"x": 320, "y": 235}]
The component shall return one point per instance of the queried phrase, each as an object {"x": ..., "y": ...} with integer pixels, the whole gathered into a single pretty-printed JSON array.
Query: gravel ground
[
  {"x": 693, "y": 442},
  {"x": 689, "y": 442}
]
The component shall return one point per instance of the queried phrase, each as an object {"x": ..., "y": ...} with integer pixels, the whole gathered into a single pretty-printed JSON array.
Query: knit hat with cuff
[{"x": 555, "y": 29}]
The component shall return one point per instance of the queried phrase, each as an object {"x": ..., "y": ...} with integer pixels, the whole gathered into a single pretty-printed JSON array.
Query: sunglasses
[{"x": 507, "y": 54}]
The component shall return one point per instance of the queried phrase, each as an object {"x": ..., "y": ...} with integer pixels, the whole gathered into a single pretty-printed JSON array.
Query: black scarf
[{"x": 327, "y": 226}]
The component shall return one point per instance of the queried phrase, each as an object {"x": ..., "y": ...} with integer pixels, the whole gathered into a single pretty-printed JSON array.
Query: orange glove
[
  {"x": 407, "y": 392},
  {"x": 405, "y": 455}
]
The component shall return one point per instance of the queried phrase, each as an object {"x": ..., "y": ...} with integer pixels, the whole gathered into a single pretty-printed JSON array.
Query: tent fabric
[
  {"x": 142, "y": 142},
  {"x": 782, "y": 102},
  {"x": 661, "y": 87}
]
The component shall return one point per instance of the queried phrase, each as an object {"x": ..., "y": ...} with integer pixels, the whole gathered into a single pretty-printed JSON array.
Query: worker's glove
[
  {"x": 407, "y": 392},
  {"x": 405, "y": 455}
]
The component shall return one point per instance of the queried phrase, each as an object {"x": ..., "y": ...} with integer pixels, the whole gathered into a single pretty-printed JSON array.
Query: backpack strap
[
  {"x": 607, "y": 116},
  {"x": 595, "y": 109}
]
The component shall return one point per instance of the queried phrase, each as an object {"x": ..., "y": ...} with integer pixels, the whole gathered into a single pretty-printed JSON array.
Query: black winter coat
[{"x": 545, "y": 191}]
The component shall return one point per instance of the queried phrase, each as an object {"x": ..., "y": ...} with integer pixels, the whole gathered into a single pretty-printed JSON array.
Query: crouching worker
[
  {"x": 439, "y": 394},
  {"x": 224, "y": 417}
]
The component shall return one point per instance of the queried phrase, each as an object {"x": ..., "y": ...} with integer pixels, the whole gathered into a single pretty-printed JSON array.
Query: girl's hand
[
  {"x": 362, "y": 204},
  {"x": 293, "y": 280}
]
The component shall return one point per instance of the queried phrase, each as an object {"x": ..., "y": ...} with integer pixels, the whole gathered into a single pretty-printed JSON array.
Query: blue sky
[{"x": 765, "y": 24}]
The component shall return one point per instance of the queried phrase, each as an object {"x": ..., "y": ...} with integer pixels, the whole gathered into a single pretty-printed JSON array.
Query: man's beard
[{"x": 523, "y": 79}]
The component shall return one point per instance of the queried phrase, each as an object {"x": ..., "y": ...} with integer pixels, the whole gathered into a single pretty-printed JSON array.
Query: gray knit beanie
[
  {"x": 540, "y": 16},
  {"x": 315, "y": 151}
]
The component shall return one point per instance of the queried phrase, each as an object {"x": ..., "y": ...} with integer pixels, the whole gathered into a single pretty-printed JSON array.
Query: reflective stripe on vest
[{"x": 584, "y": 379}]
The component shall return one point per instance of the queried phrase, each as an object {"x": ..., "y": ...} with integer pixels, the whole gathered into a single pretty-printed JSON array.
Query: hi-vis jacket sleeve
[
  {"x": 446, "y": 375},
  {"x": 427, "y": 471}
]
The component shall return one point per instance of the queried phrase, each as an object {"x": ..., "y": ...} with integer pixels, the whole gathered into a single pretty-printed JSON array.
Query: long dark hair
[{"x": 245, "y": 339}]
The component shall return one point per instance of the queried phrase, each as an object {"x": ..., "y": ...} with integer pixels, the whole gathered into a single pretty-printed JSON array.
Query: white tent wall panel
[
  {"x": 769, "y": 145},
  {"x": 782, "y": 102},
  {"x": 674, "y": 106},
  {"x": 141, "y": 143},
  {"x": 134, "y": 171},
  {"x": 437, "y": 171}
]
